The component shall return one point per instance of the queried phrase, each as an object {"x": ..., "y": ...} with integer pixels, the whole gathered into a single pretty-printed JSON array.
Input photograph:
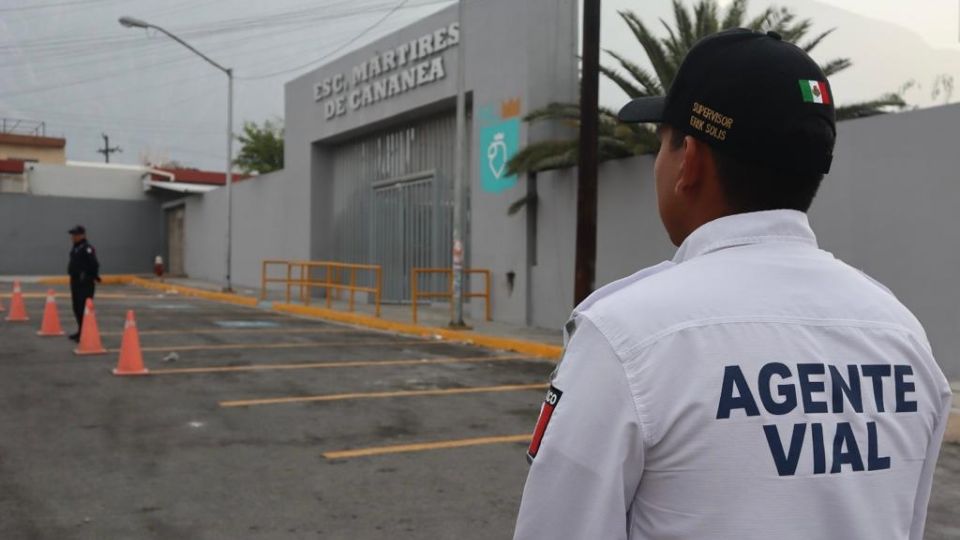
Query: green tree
[
  {"x": 665, "y": 55},
  {"x": 262, "y": 149}
]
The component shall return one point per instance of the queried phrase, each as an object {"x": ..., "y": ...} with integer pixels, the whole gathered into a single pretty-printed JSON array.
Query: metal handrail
[
  {"x": 417, "y": 294},
  {"x": 331, "y": 282}
]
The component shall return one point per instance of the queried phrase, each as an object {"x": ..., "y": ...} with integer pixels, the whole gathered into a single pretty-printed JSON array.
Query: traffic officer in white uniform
[{"x": 754, "y": 387}]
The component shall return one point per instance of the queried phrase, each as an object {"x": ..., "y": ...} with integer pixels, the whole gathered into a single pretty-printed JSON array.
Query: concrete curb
[
  {"x": 112, "y": 279},
  {"x": 538, "y": 350},
  {"x": 130, "y": 279},
  {"x": 228, "y": 298}
]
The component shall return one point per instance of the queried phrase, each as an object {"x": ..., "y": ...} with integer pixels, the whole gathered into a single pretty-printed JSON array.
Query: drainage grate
[
  {"x": 247, "y": 324},
  {"x": 170, "y": 306}
]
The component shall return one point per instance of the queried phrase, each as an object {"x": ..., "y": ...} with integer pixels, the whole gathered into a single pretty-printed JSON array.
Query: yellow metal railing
[
  {"x": 301, "y": 274},
  {"x": 417, "y": 294}
]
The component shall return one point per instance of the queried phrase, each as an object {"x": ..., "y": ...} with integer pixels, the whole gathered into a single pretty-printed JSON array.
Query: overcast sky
[
  {"x": 70, "y": 64},
  {"x": 934, "y": 20}
]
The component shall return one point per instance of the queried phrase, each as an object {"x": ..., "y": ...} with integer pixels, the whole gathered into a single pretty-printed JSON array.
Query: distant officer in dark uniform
[{"x": 84, "y": 270}]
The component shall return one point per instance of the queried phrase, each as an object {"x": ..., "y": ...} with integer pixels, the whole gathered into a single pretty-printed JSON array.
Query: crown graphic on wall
[{"x": 510, "y": 108}]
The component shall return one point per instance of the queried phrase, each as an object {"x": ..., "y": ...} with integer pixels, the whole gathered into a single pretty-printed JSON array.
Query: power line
[
  {"x": 101, "y": 55},
  {"x": 202, "y": 30},
  {"x": 343, "y": 46},
  {"x": 53, "y": 5},
  {"x": 146, "y": 126},
  {"x": 150, "y": 87},
  {"x": 133, "y": 125},
  {"x": 334, "y": 51},
  {"x": 181, "y": 58},
  {"x": 96, "y": 78},
  {"x": 70, "y": 53}
]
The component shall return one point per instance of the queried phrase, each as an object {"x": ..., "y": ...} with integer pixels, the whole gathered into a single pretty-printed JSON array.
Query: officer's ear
[{"x": 695, "y": 163}]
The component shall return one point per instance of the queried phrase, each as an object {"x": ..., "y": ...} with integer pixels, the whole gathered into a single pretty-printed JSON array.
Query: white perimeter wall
[
  {"x": 85, "y": 182},
  {"x": 261, "y": 230},
  {"x": 889, "y": 207}
]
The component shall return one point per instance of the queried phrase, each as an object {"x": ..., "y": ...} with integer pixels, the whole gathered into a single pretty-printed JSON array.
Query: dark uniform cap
[
  {"x": 750, "y": 95},
  {"x": 79, "y": 229}
]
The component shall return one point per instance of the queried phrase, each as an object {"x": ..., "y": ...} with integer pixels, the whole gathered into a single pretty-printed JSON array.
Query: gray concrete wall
[
  {"x": 34, "y": 239},
  {"x": 262, "y": 229},
  {"x": 629, "y": 233},
  {"x": 205, "y": 236},
  {"x": 543, "y": 70},
  {"x": 888, "y": 207},
  {"x": 85, "y": 182},
  {"x": 522, "y": 51},
  {"x": 551, "y": 278},
  {"x": 261, "y": 226}
]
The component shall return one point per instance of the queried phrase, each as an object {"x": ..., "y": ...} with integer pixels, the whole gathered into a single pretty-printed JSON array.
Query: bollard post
[
  {"x": 413, "y": 293},
  {"x": 353, "y": 280}
]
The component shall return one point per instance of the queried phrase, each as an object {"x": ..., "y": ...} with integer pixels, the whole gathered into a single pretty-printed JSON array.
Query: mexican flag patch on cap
[{"x": 815, "y": 92}]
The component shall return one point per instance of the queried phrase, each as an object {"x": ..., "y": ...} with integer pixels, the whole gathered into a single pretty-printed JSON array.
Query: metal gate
[
  {"x": 407, "y": 226},
  {"x": 391, "y": 200}
]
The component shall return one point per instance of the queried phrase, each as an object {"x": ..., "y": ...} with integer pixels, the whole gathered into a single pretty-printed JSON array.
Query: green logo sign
[{"x": 498, "y": 143}]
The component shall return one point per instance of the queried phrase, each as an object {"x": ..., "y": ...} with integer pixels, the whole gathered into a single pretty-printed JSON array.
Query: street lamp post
[{"x": 131, "y": 22}]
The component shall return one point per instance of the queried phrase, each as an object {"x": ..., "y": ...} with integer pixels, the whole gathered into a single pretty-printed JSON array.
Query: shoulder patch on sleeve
[{"x": 546, "y": 411}]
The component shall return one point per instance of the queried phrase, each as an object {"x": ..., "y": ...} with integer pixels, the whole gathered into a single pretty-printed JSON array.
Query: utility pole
[
  {"x": 459, "y": 181},
  {"x": 586, "y": 255},
  {"x": 229, "y": 171},
  {"x": 106, "y": 150}
]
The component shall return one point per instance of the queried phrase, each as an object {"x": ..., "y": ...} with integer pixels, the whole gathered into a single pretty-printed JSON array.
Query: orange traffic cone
[
  {"x": 51, "y": 319},
  {"x": 90, "y": 334},
  {"x": 18, "y": 313},
  {"x": 131, "y": 359}
]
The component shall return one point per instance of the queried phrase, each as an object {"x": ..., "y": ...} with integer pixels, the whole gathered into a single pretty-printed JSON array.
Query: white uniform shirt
[{"x": 754, "y": 387}]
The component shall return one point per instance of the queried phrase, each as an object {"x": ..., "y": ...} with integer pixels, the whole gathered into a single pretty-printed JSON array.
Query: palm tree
[{"x": 665, "y": 54}]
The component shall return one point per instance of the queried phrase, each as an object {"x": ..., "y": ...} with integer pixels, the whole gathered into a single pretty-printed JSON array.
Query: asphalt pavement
[
  {"x": 264, "y": 425},
  {"x": 236, "y": 437}
]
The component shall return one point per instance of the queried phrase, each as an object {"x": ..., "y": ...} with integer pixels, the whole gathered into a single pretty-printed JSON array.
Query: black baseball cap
[
  {"x": 78, "y": 229},
  {"x": 750, "y": 95}
]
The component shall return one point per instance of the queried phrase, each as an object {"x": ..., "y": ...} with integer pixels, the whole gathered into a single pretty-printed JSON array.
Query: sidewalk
[{"x": 436, "y": 315}]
